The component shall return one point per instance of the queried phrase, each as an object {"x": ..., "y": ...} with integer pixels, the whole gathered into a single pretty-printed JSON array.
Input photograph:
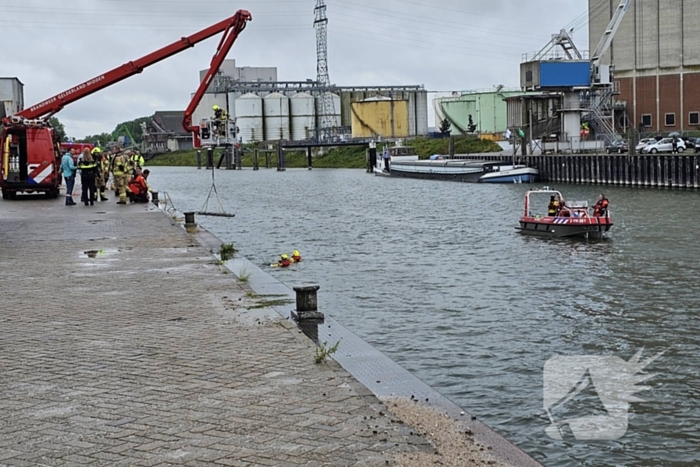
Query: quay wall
[{"x": 653, "y": 170}]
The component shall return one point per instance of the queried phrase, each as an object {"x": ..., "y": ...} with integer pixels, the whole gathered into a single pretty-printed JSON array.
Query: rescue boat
[{"x": 573, "y": 219}]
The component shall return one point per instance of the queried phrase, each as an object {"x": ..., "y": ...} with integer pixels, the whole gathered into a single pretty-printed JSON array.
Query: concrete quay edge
[{"x": 383, "y": 377}]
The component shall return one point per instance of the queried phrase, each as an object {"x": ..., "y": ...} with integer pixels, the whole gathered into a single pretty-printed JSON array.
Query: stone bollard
[
  {"x": 189, "y": 219},
  {"x": 307, "y": 304}
]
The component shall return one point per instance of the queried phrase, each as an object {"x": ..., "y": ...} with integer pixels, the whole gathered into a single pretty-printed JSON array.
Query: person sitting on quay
[
  {"x": 601, "y": 207},
  {"x": 296, "y": 256},
  {"x": 284, "y": 261},
  {"x": 138, "y": 188}
]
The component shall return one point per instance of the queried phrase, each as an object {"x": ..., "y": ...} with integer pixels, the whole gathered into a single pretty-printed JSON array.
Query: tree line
[{"x": 131, "y": 128}]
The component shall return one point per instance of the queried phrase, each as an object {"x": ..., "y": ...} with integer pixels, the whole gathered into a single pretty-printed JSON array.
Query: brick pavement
[{"x": 148, "y": 355}]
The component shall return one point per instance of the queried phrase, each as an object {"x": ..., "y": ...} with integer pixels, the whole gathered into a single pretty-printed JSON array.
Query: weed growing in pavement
[
  {"x": 226, "y": 251},
  {"x": 243, "y": 275},
  {"x": 323, "y": 351}
]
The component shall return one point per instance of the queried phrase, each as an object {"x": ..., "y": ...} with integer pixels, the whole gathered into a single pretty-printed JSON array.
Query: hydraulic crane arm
[
  {"x": 233, "y": 29},
  {"x": 610, "y": 32},
  {"x": 232, "y": 26}
]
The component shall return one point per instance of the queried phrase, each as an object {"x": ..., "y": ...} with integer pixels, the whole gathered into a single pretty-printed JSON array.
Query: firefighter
[
  {"x": 100, "y": 178},
  {"x": 601, "y": 207},
  {"x": 220, "y": 114},
  {"x": 121, "y": 172},
  {"x": 137, "y": 161},
  {"x": 88, "y": 174}
]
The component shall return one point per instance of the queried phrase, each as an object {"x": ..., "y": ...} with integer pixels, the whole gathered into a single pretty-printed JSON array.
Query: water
[{"x": 435, "y": 276}]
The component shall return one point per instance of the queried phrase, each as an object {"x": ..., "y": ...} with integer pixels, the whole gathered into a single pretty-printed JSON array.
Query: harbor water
[{"x": 434, "y": 275}]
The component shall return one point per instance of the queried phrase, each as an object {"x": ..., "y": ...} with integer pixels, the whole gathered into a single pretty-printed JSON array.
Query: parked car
[
  {"x": 644, "y": 142},
  {"x": 664, "y": 145},
  {"x": 697, "y": 145},
  {"x": 618, "y": 147},
  {"x": 689, "y": 143}
]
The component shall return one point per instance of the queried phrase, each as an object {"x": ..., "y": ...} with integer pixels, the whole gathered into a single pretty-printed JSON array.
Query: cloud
[{"x": 452, "y": 45}]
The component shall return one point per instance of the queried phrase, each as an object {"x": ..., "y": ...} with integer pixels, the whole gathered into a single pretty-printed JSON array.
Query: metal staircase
[{"x": 600, "y": 106}]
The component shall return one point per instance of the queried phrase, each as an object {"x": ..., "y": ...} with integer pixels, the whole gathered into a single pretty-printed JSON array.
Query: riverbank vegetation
[{"x": 348, "y": 157}]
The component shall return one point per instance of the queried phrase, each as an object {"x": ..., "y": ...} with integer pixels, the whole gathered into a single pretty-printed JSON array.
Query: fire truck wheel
[{"x": 53, "y": 194}]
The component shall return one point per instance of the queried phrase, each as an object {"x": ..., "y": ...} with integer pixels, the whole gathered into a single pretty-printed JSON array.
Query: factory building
[
  {"x": 656, "y": 55},
  {"x": 11, "y": 96},
  {"x": 266, "y": 109},
  {"x": 487, "y": 109}
]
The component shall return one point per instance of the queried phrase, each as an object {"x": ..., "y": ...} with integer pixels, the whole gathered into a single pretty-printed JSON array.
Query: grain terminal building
[
  {"x": 656, "y": 54},
  {"x": 267, "y": 109}
]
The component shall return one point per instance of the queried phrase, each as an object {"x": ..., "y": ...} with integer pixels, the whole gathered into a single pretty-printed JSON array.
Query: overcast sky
[{"x": 458, "y": 45}]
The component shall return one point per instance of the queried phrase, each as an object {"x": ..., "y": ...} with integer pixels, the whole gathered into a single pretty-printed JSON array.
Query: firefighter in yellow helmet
[
  {"x": 296, "y": 256},
  {"x": 218, "y": 113},
  {"x": 284, "y": 261}
]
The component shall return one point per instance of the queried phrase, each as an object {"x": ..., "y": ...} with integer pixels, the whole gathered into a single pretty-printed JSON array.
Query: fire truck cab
[{"x": 30, "y": 160}]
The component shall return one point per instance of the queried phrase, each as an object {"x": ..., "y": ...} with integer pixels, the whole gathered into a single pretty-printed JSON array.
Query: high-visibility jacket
[
  {"x": 137, "y": 160},
  {"x": 87, "y": 168}
]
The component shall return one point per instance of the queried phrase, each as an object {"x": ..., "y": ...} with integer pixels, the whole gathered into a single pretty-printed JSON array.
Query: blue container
[{"x": 565, "y": 74}]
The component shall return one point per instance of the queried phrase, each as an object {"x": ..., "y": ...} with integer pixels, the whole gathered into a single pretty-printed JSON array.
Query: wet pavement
[{"x": 123, "y": 342}]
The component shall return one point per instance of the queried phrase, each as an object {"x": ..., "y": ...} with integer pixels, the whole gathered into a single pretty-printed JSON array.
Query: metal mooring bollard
[
  {"x": 154, "y": 197},
  {"x": 189, "y": 219},
  {"x": 307, "y": 303}
]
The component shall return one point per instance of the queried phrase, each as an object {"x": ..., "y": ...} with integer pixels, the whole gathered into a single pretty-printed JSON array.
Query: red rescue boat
[{"x": 563, "y": 218}]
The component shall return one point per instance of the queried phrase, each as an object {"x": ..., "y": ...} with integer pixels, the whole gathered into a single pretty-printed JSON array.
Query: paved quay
[{"x": 123, "y": 342}]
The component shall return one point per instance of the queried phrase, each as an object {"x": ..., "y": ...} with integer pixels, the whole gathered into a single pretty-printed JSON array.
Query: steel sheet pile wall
[
  {"x": 660, "y": 171},
  {"x": 672, "y": 171}
]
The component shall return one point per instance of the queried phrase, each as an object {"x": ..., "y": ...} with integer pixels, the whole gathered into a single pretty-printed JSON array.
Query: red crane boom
[{"x": 232, "y": 27}]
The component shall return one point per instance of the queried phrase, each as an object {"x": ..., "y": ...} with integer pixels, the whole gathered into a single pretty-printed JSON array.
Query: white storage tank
[
  {"x": 249, "y": 117},
  {"x": 303, "y": 111},
  {"x": 276, "y": 111},
  {"x": 335, "y": 115}
]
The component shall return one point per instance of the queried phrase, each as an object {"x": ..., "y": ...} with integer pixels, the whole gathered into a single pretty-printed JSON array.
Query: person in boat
[
  {"x": 553, "y": 208},
  {"x": 296, "y": 256},
  {"x": 284, "y": 261},
  {"x": 601, "y": 207},
  {"x": 564, "y": 210}
]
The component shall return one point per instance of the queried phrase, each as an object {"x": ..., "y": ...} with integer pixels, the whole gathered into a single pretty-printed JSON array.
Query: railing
[{"x": 554, "y": 55}]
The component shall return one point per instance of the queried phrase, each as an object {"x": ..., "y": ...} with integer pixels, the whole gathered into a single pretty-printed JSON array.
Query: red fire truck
[{"x": 30, "y": 154}]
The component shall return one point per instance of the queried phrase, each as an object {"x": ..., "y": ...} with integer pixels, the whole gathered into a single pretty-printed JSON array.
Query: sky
[{"x": 447, "y": 46}]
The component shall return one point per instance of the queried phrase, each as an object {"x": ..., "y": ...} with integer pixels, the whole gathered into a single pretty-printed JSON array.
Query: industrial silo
[
  {"x": 249, "y": 117},
  {"x": 276, "y": 111},
  {"x": 303, "y": 111},
  {"x": 335, "y": 113}
]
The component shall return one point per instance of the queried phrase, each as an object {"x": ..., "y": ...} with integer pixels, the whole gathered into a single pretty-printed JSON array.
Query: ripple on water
[{"x": 434, "y": 275}]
